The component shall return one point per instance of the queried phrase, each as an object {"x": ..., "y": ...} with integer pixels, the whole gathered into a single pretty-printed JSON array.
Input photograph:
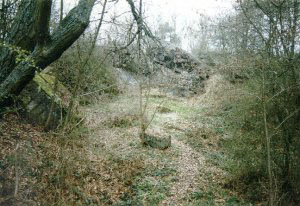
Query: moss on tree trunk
[{"x": 30, "y": 32}]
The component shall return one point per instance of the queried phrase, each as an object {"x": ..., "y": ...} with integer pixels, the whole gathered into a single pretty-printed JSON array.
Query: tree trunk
[{"x": 30, "y": 31}]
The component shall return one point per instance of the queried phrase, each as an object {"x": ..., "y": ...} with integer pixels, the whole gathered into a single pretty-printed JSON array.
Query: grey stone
[{"x": 157, "y": 142}]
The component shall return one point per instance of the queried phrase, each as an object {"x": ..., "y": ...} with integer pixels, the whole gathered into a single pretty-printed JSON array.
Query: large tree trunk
[{"x": 30, "y": 31}]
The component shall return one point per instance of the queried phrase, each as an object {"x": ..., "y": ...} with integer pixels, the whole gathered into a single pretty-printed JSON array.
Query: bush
[
  {"x": 248, "y": 146},
  {"x": 95, "y": 78}
]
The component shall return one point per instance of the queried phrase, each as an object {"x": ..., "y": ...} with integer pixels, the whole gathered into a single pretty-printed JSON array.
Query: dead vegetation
[
  {"x": 104, "y": 163},
  {"x": 127, "y": 120},
  {"x": 162, "y": 109},
  {"x": 51, "y": 170}
]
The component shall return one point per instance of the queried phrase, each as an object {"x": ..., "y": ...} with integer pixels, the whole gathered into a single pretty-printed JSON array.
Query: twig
[
  {"x": 96, "y": 91},
  {"x": 278, "y": 93},
  {"x": 155, "y": 111},
  {"x": 17, "y": 172},
  {"x": 287, "y": 118}
]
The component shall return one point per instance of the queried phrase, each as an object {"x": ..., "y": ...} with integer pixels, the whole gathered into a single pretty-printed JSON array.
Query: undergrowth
[
  {"x": 56, "y": 169},
  {"x": 239, "y": 108}
]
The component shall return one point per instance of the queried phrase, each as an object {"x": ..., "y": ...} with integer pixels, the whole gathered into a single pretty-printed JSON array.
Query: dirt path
[
  {"x": 192, "y": 168},
  {"x": 188, "y": 163}
]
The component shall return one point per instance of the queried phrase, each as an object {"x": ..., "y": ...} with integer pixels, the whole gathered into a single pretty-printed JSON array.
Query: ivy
[{"x": 22, "y": 55}]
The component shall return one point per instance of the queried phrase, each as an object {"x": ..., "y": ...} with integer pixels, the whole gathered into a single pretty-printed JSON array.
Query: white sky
[
  {"x": 187, "y": 8},
  {"x": 186, "y": 11}
]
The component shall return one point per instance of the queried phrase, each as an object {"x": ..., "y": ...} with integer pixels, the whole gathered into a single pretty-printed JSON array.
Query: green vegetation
[{"x": 116, "y": 113}]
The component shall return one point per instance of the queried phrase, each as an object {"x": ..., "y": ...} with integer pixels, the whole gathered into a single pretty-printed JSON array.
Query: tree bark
[{"x": 30, "y": 32}]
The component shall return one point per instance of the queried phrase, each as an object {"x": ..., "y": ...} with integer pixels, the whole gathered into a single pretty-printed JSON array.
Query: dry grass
[
  {"x": 202, "y": 138},
  {"x": 59, "y": 170},
  {"x": 105, "y": 164},
  {"x": 162, "y": 109},
  {"x": 218, "y": 90},
  {"x": 125, "y": 120}
]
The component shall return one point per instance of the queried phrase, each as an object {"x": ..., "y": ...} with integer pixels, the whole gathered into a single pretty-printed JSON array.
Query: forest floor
[
  {"x": 104, "y": 162},
  {"x": 190, "y": 172}
]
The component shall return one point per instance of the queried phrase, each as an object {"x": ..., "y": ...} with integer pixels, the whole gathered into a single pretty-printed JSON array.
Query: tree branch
[
  {"x": 43, "y": 20},
  {"x": 252, "y": 23},
  {"x": 139, "y": 20},
  {"x": 73, "y": 25}
]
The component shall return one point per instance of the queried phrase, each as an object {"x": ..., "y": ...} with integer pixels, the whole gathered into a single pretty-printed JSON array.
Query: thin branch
[
  {"x": 252, "y": 23},
  {"x": 140, "y": 23},
  {"x": 261, "y": 8},
  {"x": 153, "y": 115},
  {"x": 96, "y": 91},
  {"x": 287, "y": 118},
  {"x": 17, "y": 172},
  {"x": 278, "y": 93},
  {"x": 96, "y": 34}
]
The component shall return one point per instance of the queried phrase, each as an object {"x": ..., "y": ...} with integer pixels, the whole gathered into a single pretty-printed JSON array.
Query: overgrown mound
[
  {"x": 185, "y": 74},
  {"x": 175, "y": 59},
  {"x": 45, "y": 100}
]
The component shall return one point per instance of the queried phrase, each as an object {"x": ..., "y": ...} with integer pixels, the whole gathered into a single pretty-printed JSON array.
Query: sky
[
  {"x": 185, "y": 12},
  {"x": 188, "y": 8},
  {"x": 165, "y": 10}
]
